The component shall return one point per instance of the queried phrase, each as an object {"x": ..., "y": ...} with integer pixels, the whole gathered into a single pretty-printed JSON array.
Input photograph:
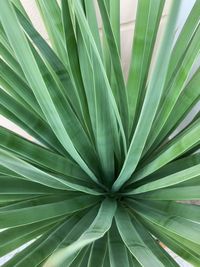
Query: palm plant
[{"x": 102, "y": 183}]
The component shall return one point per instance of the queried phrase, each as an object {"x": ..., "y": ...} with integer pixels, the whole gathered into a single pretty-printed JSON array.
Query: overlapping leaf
[{"x": 98, "y": 184}]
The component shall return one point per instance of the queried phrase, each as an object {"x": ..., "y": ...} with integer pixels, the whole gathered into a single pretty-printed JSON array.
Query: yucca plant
[{"x": 103, "y": 183}]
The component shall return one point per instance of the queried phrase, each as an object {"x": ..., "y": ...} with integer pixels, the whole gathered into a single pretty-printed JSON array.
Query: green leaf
[
  {"x": 52, "y": 19},
  {"x": 175, "y": 224},
  {"x": 45, "y": 245},
  {"x": 115, "y": 21},
  {"x": 133, "y": 261},
  {"x": 174, "y": 193},
  {"x": 107, "y": 261},
  {"x": 81, "y": 258},
  {"x": 60, "y": 71},
  {"x": 176, "y": 87},
  {"x": 184, "y": 38},
  {"x": 72, "y": 51},
  {"x": 134, "y": 242},
  {"x": 170, "y": 180},
  {"x": 105, "y": 121},
  {"x": 88, "y": 78},
  {"x": 175, "y": 166},
  {"x": 12, "y": 185},
  {"x": 116, "y": 63},
  {"x": 10, "y": 60},
  {"x": 178, "y": 247},
  {"x": 153, "y": 245},
  {"x": 29, "y": 121},
  {"x": 117, "y": 250},
  {"x": 150, "y": 105},
  {"x": 187, "y": 100},
  {"x": 40, "y": 156},
  {"x": 178, "y": 145},
  {"x": 85, "y": 28},
  {"x": 98, "y": 252},
  {"x": 33, "y": 75},
  {"x": 90, "y": 13},
  {"x": 101, "y": 181},
  {"x": 97, "y": 229},
  {"x": 19, "y": 5},
  {"x": 6, "y": 199},
  {"x": 41, "y": 212},
  {"x": 146, "y": 27},
  {"x": 31, "y": 173},
  {"x": 14, "y": 237},
  {"x": 189, "y": 211},
  {"x": 69, "y": 119},
  {"x": 20, "y": 88}
]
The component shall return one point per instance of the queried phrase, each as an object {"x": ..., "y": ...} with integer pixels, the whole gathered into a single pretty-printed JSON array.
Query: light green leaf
[
  {"x": 153, "y": 245},
  {"x": 176, "y": 87},
  {"x": 117, "y": 250},
  {"x": 178, "y": 145},
  {"x": 98, "y": 252},
  {"x": 51, "y": 14},
  {"x": 31, "y": 173},
  {"x": 170, "y": 180},
  {"x": 184, "y": 38},
  {"x": 41, "y": 212},
  {"x": 97, "y": 229},
  {"x": 14, "y": 237},
  {"x": 39, "y": 155},
  {"x": 146, "y": 27},
  {"x": 187, "y": 100},
  {"x": 33, "y": 75},
  {"x": 116, "y": 63},
  {"x": 151, "y": 102},
  {"x": 178, "y": 247},
  {"x": 134, "y": 242},
  {"x": 175, "y": 224}
]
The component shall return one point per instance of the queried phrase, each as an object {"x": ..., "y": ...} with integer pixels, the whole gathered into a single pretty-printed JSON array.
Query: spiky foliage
[{"x": 101, "y": 184}]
